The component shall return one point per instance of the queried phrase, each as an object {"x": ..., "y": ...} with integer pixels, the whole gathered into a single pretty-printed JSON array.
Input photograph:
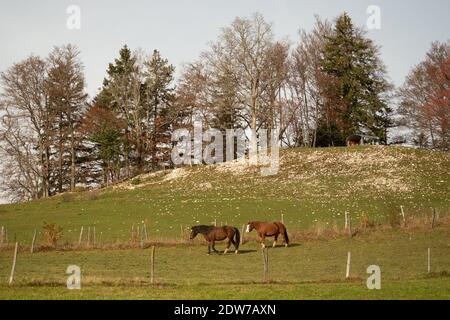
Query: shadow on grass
[
  {"x": 246, "y": 251},
  {"x": 231, "y": 252},
  {"x": 292, "y": 245}
]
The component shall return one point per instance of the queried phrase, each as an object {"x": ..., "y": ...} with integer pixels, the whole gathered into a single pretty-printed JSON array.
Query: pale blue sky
[{"x": 181, "y": 29}]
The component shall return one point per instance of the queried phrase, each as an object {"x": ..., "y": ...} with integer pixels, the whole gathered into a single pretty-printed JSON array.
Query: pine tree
[
  {"x": 159, "y": 96},
  {"x": 102, "y": 128},
  {"x": 139, "y": 90},
  {"x": 122, "y": 94},
  {"x": 356, "y": 98}
]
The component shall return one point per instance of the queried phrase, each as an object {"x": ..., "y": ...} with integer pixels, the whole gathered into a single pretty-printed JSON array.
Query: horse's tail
[
  {"x": 237, "y": 237},
  {"x": 286, "y": 238}
]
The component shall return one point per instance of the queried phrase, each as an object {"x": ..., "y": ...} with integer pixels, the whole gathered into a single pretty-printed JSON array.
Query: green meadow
[{"x": 311, "y": 192}]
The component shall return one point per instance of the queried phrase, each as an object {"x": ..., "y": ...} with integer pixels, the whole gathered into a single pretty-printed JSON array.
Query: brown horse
[
  {"x": 213, "y": 234},
  {"x": 271, "y": 229}
]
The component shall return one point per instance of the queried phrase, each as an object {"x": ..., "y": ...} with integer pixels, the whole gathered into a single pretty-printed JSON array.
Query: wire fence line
[
  {"x": 302, "y": 268},
  {"x": 143, "y": 234}
]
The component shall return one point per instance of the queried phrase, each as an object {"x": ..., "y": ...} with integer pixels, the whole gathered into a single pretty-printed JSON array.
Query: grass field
[
  {"x": 312, "y": 190},
  {"x": 309, "y": 270},
  {"x": 425, "y": 289}
]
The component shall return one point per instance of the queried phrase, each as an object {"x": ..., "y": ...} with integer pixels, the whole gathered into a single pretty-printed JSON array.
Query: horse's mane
[{"x": 202, "y": 229}]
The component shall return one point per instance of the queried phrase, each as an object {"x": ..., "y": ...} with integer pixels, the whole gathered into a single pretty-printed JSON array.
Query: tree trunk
[
  {"x": 60, "y": 160},
  {"x": 72, "y": 152}
]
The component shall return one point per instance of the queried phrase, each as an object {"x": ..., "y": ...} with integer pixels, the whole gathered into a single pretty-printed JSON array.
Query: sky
[{"x": 181, "y": 29}]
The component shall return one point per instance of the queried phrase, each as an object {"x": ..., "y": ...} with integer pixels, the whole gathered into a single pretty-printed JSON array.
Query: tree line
[{"x": 328, "y": 85}]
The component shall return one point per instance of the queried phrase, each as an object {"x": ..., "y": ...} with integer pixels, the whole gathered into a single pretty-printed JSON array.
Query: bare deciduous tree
[
  {"x": 306, "y": 86},
  {"x": 241, "y": 53},
  {"x": 425, "y": 98},
  {"x": 25, "y": 129},
  {"x": 41, "y": 103},
  {"x": 66, "y": 88}
]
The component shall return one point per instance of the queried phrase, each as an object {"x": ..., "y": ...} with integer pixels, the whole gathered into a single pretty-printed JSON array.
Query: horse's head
[
  {"x": 250, "y": 227},
  {"x": 194, "y": 233}
]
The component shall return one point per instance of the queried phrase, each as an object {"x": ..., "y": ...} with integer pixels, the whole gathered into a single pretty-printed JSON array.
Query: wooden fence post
[
  {"x": 429, "y": 260},
  {"x": 348, "y": 220},
  {"x": 89, "y": 236},
  {"x": 94, "y": 237},
  {"x": 145, "y": 232},
  {"x": 132, "y": 233},
  {"x": 2, "y": 236},
  {"x": 81, "y": 236},
  {"x": 152, "y": 265},
  {"x": 282, "y": 218},
  {"x": 215, "y": 222},
  {"x": 181, "y": 232},
  {"x": 403, "y": 215},
  {"x": 32, "y": 242},
  {"x": 141, "y": 237},
  {"x": 349, "y": 257},
  {"x": 434, "y": 218},
  {"x": 13, "y": 268},
  {"x": 138, "y": 232},
  {"x": 242, "y": 234},
  {"x": 265, "y": 256}
]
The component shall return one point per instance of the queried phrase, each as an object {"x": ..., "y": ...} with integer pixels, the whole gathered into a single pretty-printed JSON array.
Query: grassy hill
[{"x": 313, "y": 189}]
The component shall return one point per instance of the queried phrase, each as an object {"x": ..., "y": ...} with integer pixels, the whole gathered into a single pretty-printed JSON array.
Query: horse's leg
[
  {"x": 275, "y": 241},
  {"x": 235, "y": 246},
  {"x": 228, "y": 246},
  {"x": 213, "y": 246},
  {"x": 263, "y": 240},
  {"x": 209, "y": 247}
]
